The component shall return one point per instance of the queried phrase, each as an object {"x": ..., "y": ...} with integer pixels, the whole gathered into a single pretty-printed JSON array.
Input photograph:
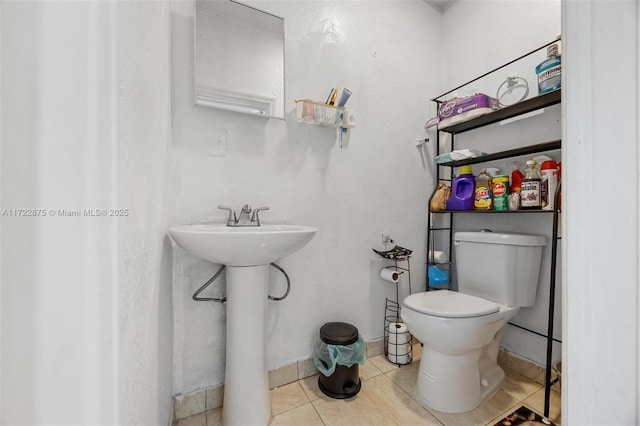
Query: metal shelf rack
[{"x": 515, "y": 110}]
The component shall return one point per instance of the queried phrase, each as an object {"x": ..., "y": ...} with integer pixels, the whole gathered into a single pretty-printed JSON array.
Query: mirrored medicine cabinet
[{"x": 239, "y": 58}]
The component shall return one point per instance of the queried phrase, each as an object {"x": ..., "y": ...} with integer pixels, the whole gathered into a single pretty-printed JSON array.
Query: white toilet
[{"x": 461, "y": 331}]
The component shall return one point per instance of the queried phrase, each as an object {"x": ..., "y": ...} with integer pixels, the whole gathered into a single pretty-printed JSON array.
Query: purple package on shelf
[{"x": 457, "y": 110}]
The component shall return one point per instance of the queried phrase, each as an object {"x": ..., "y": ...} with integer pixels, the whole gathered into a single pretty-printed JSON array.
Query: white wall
[
  {"x": 86, "y": 301},
  {"x": 388, "y": 54},
  {"x": 478, "y": 37},
  {"x": 600, "y": 367},
  {"x": 144, "y": 183},
  {"x": 59, "y": 276},
  {"x": 481, "y": 35}
]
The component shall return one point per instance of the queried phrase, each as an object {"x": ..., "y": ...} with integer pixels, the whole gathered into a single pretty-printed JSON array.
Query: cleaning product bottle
[
  {"x": 482, "y": 197},
  {"x": 500, "y": 192},
  {"x": 549, "y": 71},
  {"x": 513, "y": 199},
  {"x": 548, "y": 184},
  {"x": 530, "y": 191},
  {"x": 559, "y": 179},
  {"x": 516, "y": 180},
  {"x": 462, "y": 190}
]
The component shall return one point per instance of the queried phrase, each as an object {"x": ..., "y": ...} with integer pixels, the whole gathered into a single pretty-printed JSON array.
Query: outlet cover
[{"x": 219, "y": 148}]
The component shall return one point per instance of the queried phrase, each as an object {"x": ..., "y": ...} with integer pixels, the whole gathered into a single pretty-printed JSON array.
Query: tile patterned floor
[{"x": 386, "y": 398}]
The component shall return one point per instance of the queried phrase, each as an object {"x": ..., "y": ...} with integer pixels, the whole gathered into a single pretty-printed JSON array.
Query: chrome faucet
[
  {"x": 254, "y": 217},
  {"x": 246, "y": 218}
]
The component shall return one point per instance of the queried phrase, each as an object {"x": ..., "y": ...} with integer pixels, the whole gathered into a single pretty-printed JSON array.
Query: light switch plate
[{"x": 219, "y": 148}]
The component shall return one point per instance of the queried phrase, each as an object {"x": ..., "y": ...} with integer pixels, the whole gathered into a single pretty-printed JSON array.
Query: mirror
[{"x": 239, "y": 58}]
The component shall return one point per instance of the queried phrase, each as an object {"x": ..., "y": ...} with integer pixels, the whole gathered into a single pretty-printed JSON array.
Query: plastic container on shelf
[
  {"x": 516, "y": 180},
  {"x": 500, "y": 192},
  {"x": 548, "y": 184},
  {"x": 549, "y": 71},
  {"x": 462, "y": 190},
  {"x": 482, "y": 197},
  {"x": 559, "y": 180}
]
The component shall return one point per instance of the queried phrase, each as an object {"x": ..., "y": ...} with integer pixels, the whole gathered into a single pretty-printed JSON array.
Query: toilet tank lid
[
  {"x": 501, "y": 238},
  {"x": 450, "y": 304}
]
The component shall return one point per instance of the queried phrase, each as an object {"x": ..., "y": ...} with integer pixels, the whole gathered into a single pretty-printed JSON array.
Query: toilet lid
[{"x": 450, "y": 304}]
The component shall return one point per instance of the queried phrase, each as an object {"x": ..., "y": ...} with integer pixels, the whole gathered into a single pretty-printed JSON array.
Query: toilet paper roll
[
  {"x": 389, "y": 275},
  {"x": 438, "y": 256},
  {"x": 398, "y": 359},
  {"x": 397, "y": 347}
]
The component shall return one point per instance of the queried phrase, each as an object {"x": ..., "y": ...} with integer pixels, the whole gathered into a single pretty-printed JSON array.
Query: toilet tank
[{"x": 500, "y": 267}]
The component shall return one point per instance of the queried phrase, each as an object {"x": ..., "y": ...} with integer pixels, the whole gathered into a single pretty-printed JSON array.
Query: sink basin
[{"x": 242, "y": 246}]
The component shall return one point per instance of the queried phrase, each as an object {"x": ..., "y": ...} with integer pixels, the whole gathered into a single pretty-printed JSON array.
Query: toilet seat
[{"x": 450, "y": 304}]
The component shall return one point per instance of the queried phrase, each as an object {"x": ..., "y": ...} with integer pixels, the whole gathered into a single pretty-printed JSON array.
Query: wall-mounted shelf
[{"x": 320, "y": 114}]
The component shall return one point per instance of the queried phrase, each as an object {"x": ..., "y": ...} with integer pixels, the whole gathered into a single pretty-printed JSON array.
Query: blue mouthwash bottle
[{"x": 549, "y": 71}]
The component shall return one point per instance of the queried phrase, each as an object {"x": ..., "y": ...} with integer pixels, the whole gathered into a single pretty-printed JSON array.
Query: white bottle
[{"x": 548, "y": 184}]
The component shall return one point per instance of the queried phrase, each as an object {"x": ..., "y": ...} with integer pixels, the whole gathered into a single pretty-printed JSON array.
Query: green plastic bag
[{"x": 327, "y": 356}]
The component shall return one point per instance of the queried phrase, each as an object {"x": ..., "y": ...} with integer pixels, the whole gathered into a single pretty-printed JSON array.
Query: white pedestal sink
[{"x": 247, "y": 253}]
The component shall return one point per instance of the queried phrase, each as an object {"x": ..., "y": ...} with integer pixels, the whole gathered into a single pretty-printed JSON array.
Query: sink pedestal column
[{"x": 246, "y": 384}]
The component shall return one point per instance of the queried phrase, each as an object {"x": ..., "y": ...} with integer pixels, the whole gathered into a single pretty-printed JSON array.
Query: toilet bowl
[
  {"x": 461, "y": 330},
  {"x": 458, "y": 368}
]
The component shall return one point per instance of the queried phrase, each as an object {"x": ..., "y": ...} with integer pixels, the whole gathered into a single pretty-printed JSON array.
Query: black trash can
[{"x": 345, "y": 381}]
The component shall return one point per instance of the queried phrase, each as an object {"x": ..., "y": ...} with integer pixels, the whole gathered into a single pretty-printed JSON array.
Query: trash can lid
[{"x": 338, "y": 333}]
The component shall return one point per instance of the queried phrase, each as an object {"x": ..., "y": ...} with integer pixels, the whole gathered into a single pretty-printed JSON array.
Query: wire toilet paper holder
[{"x": 398, "y": 342}]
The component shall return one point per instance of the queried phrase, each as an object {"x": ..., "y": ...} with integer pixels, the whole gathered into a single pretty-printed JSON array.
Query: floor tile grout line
[
  {"x": 412, "y": 397},
  {"x": 425, "y": 408},
  {"x": 318, "y": 413},
  {"x": 298, "y": 406}
]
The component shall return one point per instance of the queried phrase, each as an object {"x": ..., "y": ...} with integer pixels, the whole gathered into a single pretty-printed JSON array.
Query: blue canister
[{"x": 462, "y": 190}]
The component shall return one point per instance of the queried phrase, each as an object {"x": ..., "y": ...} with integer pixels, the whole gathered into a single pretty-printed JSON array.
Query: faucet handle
[
  {"x": 254, "y": 217},
  {"x": 231, "y": 220}
]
